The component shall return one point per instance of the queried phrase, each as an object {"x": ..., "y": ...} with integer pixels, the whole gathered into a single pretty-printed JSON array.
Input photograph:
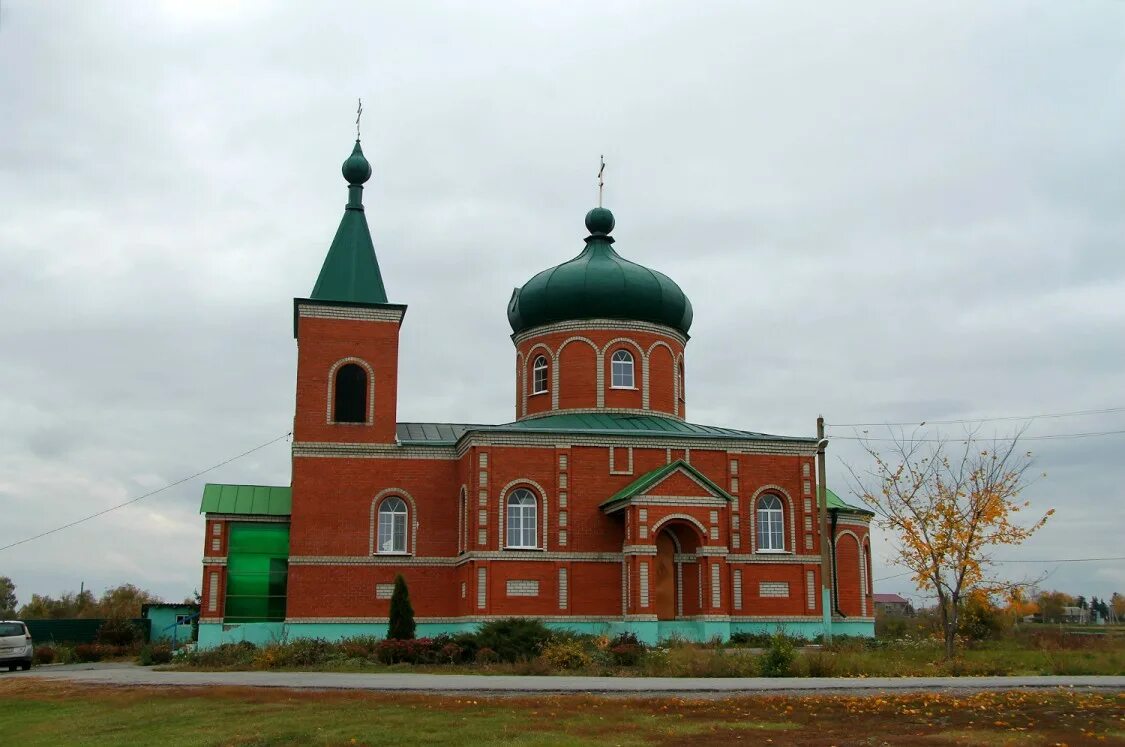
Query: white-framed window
[
  {"x": 771, "y": 529},
  {"x": 522, "y": 512},
  {"x": 621, "y": 370},
  {"x": 539, "y": 376},
  {"x": 392, "y": 526}
]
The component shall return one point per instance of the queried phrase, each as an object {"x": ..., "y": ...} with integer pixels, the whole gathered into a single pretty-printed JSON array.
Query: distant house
[
  {"x": 1075, "y": 615},
  {"x": 893, "y": 604},
  {"x": 170, "y": 621}
]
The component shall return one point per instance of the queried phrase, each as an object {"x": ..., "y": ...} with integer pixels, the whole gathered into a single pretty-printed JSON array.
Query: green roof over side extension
[
  {"x": 836, "y": 503},
  {"x": 648, "y": 479},
  {"x": 599, "y": 284},
  {"x": 351, "y": 271},
  {"x": 248, "y": 500},
  {"x": 437, "y": 434}
]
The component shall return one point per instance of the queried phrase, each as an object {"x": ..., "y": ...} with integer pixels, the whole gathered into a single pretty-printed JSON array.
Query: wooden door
[{"x": 664, "y": 577}]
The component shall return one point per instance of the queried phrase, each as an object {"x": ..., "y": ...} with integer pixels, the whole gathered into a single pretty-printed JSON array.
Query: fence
[{"x": 76, "y": 630}]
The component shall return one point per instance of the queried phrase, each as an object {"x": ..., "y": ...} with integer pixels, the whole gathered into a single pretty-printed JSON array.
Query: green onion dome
[
  {"x": 356, "y": 169},
  {"x": 599, "y": 284}
]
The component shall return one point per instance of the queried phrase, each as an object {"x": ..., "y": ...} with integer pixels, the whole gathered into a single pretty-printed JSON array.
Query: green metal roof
[
  {"x": 351, "y": 270},
  {"x": 643, "y": 425},
  {"x": 436, "y": 434},
  {"x": 648, "y": 479},
  {"x": 599, "y": 284},
  {"x": 433, "y": 433},
  {"x": 255, "y": 500},
  {"x": 837, "y": 503}
]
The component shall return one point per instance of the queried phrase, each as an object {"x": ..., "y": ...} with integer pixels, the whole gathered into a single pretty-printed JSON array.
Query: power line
[
  {"x": 1046, "y": 437},
  {"x": 1073, "y": 413},
  {"x": 1054, "y": 560},
  {"x": 146, "y": 495}
]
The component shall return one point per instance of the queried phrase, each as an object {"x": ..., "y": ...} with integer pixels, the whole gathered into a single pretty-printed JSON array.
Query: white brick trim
[
  {"x": 683, "y": 517},
  {"x": 599, "y": 401},
  {"x": 787, "y": 499},
  {"x": 582, "y": 325},
  {"x": 370, "y": 389},
  {"x": 541, "y": 508},
  {"x": 411, "y": 519}
]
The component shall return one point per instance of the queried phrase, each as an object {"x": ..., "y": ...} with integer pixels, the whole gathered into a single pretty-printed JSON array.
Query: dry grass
[{"x": 34, "y": 712}]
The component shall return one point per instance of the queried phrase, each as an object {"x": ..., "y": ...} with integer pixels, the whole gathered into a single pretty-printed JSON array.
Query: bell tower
[{"x": 347, "y": 336}]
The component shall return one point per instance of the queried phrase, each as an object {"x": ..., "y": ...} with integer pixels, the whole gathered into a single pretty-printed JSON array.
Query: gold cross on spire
[
  {"x": 601, "y": 181},
  {"x": 358, "y": 114}
]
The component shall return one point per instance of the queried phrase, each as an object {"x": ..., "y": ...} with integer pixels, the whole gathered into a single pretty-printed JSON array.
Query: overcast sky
[{"x": 882, "y": 212}]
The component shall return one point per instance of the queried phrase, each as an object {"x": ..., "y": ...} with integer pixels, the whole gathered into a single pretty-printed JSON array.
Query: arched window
[
  {"x": 521, "y": 518},
  {"x": 539, "y": 376},
  {"x": 771, "y": 530},
  {"x": 350, "y": 402},
  {"x": 392, "y": 525},
  {"x": 621, "y": 370},
  {"x": 680, "y": 375}
]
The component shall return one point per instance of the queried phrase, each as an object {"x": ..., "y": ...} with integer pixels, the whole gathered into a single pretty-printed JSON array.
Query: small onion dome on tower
[
  {"x": 599, "y": 284},
  {"x": 356, "y": 168}
]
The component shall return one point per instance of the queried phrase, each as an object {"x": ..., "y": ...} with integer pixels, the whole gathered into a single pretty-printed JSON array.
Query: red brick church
[{"x": 599, "y": 508}]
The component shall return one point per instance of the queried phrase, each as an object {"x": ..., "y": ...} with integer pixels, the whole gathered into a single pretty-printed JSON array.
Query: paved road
[{"x": 131, "y": 675}]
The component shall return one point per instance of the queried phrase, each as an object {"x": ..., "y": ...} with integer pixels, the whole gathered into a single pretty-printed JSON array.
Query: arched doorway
[
  {"x": 674, "y": 541},
  {"x": 664, "y": 577}
]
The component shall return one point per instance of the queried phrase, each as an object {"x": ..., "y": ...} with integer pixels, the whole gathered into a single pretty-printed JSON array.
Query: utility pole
[{"x": 822, "y": 503}]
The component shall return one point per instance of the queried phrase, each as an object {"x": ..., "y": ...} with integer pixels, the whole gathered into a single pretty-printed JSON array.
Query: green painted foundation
[{"x": 264, "y": 633}]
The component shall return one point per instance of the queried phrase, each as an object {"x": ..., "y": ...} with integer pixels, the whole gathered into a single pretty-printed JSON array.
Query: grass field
[{"x": 44, "y": 713}]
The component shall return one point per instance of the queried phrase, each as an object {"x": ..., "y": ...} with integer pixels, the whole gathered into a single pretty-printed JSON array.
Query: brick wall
[{"x": 321, "y": 343}]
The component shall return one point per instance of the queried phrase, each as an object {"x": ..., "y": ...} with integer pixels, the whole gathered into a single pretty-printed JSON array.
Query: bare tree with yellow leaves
[{"x": 948, "y": 505}]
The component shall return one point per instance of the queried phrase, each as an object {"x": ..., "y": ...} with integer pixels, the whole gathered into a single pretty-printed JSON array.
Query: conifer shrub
[
  {"x": 514, "y": 638},
  {"x": 401, "y": 627}
]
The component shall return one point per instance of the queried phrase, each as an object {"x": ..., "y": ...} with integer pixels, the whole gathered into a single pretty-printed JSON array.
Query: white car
[{"x": 15, "y": 645}]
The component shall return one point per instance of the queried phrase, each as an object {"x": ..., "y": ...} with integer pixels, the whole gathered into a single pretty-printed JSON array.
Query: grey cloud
[{"x": 880, "y": 212}]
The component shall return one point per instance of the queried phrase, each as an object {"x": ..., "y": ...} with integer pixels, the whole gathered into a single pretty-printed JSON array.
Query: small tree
[
  {"x": 7, "y": 597},
  {"x": 401, "y": 626},
  {"x": 947, "y": 512}
]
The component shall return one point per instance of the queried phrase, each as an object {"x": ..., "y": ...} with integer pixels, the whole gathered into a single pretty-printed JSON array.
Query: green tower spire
[{"x": 351, "y": 271}]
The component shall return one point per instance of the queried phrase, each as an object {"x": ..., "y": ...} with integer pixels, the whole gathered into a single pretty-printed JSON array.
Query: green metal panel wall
[
  {"x": 257, "y": 572},
  {"x": 74, "y": 630}
]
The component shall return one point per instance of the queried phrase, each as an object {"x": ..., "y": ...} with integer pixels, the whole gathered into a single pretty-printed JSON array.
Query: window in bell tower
[{"x": 350, "y": 395}]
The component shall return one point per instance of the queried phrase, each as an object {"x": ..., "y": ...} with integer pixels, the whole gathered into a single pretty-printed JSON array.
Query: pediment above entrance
[{"x": 677, "y": 482}]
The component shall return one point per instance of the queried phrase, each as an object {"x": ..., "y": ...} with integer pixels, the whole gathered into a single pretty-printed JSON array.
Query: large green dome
[{"x": 599, "y": 284}]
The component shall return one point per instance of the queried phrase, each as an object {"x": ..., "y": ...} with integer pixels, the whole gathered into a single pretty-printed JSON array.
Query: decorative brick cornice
[
  {"x": 214, "y": 561},
  {"x": 443, "y": 452},
  {"x": 770, "y": 558},
  {"x": 525, "y": 556},
  {"x": 353, "y": 313},
  {"x": 610, "y": 325}
]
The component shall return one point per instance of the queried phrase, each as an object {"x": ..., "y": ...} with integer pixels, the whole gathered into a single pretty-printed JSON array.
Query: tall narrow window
[
  {"x": 521, "y": 518},
  {"x": 350, "y": 402},
  {"x": 539, "y": 376},
  {"x": 622, "y": 370},
  {"x": 392, "y": 525},
  {"x": 680, "y": 374},
  {"x": 771, "y": 534}
]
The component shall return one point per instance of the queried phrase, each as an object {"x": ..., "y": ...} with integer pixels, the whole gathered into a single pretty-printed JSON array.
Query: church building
[{"x": 599, "y": 508}]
